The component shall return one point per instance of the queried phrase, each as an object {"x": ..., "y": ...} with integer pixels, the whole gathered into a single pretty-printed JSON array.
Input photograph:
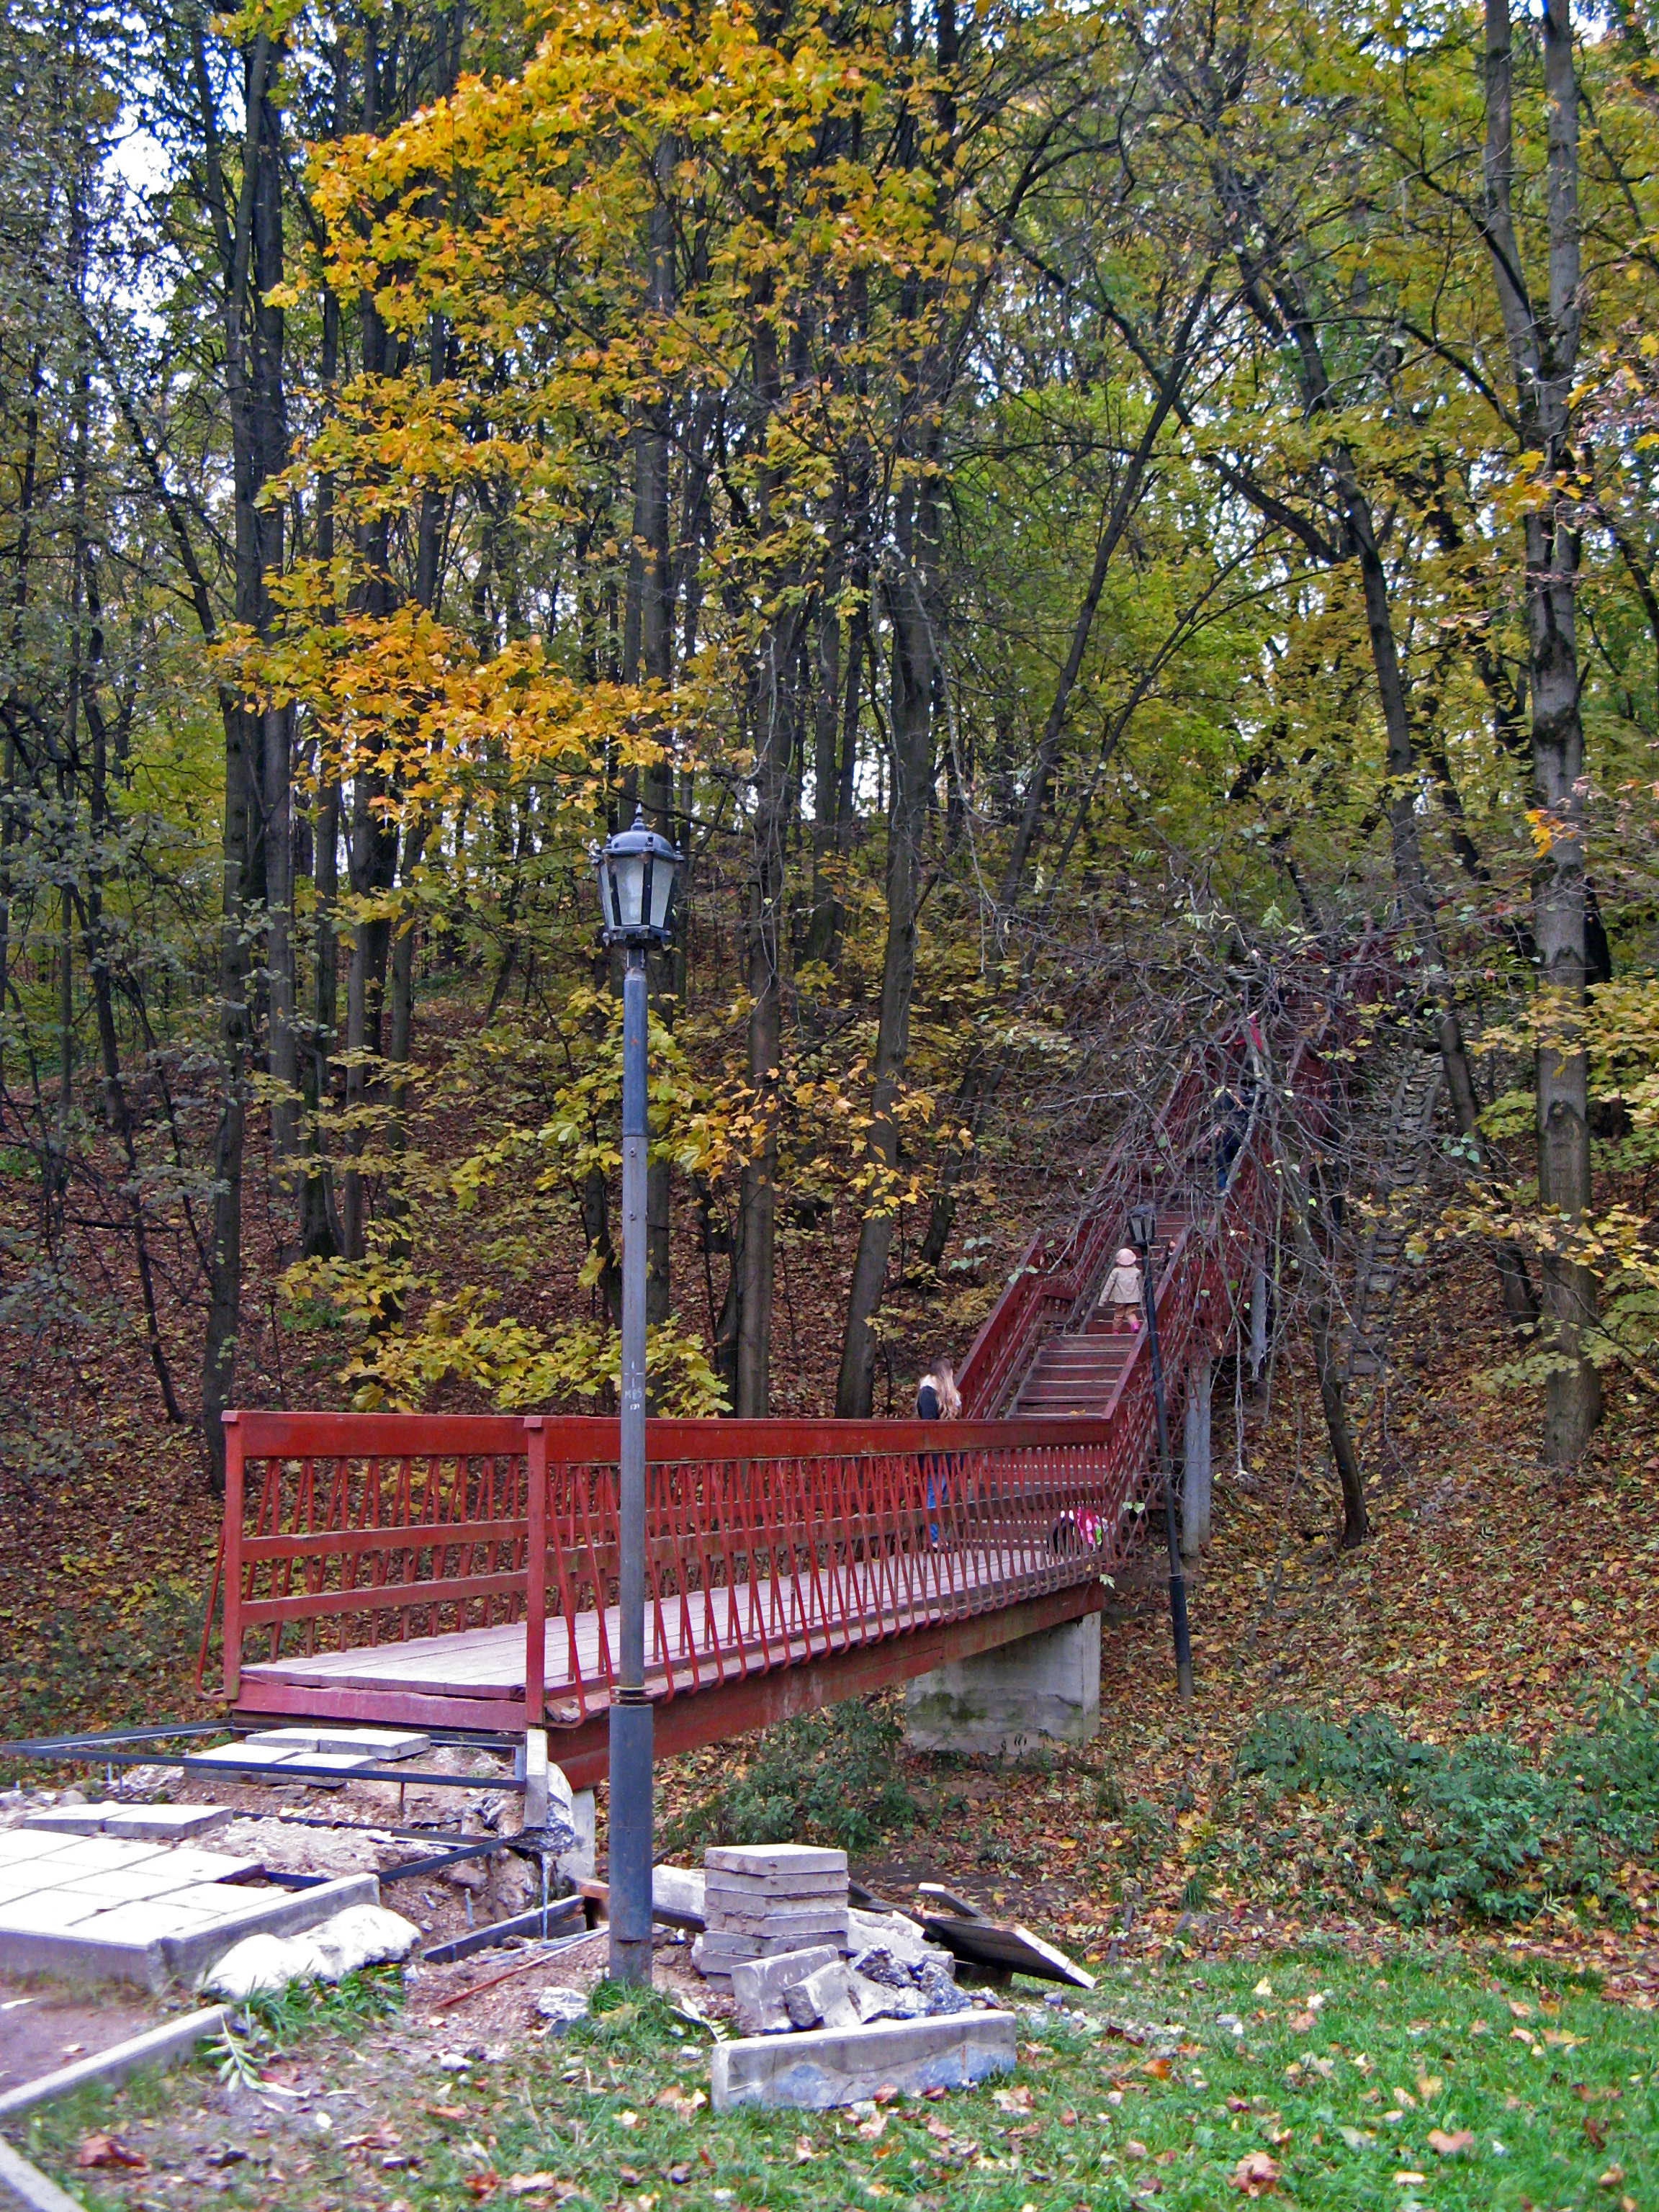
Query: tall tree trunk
[
  {"x": 653, "y": 538},
  {"x": 771, "y": 720},
  {"x": 912, "y": 612},
  {"x": 236, "y": 237},
  {"x": 1543, "y": 345}
]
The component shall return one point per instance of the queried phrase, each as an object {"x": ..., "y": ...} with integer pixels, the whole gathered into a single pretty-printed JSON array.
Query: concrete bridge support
[
  {"x": 1041, "y": 1689},
  {"x": 1195, "y": 1461}
]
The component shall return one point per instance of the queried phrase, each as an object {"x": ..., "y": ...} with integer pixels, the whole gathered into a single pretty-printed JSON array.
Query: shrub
[
  {"x": 1430, "y": 1832},
  {"x": 828, "y": 1777}
]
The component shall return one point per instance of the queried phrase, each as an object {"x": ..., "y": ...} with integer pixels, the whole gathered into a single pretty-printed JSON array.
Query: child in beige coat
[{"x": 1121, "y": 1293}]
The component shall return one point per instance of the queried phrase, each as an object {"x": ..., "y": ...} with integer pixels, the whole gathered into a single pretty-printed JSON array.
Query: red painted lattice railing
[{"x": 768, "y": 1544}]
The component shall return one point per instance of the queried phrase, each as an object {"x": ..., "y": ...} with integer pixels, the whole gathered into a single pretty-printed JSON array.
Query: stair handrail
[{"x": 1022, "y": 1319}]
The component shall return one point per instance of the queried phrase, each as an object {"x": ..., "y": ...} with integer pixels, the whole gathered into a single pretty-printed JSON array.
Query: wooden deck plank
[{"x": 747, "y": 1628}]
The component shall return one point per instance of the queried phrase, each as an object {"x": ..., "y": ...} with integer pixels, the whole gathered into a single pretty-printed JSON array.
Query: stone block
[
  {"x": 762, "y": 1859},
  {"x": 154, "y": 2046},
  {"x": 758, "y": 1986},
  {"x": 893, "y": 1932},
  {"x": 821, "y": 1999},
  {"x": 1039, "y": 1689},
  {"x": 776, "y": 1919},
  {"x": 830, "y": 2066},
  {"x": 679, "y": 1890},
  {"x": 789, "y": 1886}
]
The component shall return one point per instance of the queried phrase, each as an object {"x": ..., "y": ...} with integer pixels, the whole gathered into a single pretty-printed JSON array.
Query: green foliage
[
  {"x": 1429, "y": 1831},
  {"x": 278, "y": 2019},
  {"x": 827, "y": 1778}
]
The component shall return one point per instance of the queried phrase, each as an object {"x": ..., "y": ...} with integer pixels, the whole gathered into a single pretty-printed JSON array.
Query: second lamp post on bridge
[
  {"x": 638, "y": 872},
  {"x": 1143, "y": 1234}
]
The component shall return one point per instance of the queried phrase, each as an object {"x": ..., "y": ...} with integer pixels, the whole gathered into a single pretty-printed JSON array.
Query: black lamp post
[
  {"x": 638, "y": 872},
  {"x": 1143, "y": 1234}
]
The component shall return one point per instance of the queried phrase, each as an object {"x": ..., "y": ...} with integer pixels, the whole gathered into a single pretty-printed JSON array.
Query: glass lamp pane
[
  {"x": 663, "y": 870},
  {"x": 628, "y": 873}
]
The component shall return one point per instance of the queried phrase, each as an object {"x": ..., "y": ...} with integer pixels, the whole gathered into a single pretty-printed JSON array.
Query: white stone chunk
[{"x": 758, "y": 1986}]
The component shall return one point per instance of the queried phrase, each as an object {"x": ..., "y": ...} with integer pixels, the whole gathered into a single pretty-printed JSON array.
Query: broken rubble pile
[{"x": 804, "y": 1989}]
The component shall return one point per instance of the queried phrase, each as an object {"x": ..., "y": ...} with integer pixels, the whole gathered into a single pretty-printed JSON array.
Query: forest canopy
[{"x": 1056, "y": 511}]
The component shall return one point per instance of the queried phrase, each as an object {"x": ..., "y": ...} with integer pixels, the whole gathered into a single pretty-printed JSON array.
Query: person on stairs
[
  {"x": 1121, "y": 1293},
  {"x": 938, "y": 1399}
]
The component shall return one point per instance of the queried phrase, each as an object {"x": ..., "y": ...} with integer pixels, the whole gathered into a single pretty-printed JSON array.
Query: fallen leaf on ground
[
  {"x": 1458, "y": 2145},
  {"x": 874, "y": 2128},
  {"x": 1356, "y": 2138},
  {"x": 675, "y": 2099},
  {"x": 1611, "y": 2177},
  {"x": 110, "y": 2150},
  {"x": 1013, "y": 2100},
  {"x": 1255, "y": 2173},
  {"x": 1157, "y": 2068},
  {"x": 519, "y": 2184}
]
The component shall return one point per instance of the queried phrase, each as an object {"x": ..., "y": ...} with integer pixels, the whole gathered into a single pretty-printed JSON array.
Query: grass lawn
[{"x": 1304, "y": 2077}]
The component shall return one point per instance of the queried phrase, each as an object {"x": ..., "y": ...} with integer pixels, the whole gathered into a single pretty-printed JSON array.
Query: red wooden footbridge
[{"x": 459, "y": 1572}]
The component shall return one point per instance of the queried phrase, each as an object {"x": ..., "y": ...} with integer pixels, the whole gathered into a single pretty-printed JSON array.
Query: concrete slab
[
  {"x": 164, "y": 1824},
  {"x": 122, "y": 1885},
  {"x": 171, "y": 1938},
  {"x": 775, "y": 1920},
  {"x": 830, "y": 2066},
  {"x": 270, "y": 1759},
  {"x": 227, "y": 1756},
  {"x": 380, "y": 1745},
  {"x": 764, "y": 1859},
  {"x": 99, "y": 1854},
  {"x": 23, "y": 1844},
  {"x": 47, "y": 1910},
  {"x": 190, "y": 1864},
  {"x": 789, "y": 1886}
]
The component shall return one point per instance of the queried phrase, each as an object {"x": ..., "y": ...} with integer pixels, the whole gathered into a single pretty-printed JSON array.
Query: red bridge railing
[{"x": 768, "y": 1543}]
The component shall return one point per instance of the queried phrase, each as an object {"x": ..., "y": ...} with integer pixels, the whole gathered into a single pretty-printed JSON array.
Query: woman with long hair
[{"x": 938, "y": 1399}]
